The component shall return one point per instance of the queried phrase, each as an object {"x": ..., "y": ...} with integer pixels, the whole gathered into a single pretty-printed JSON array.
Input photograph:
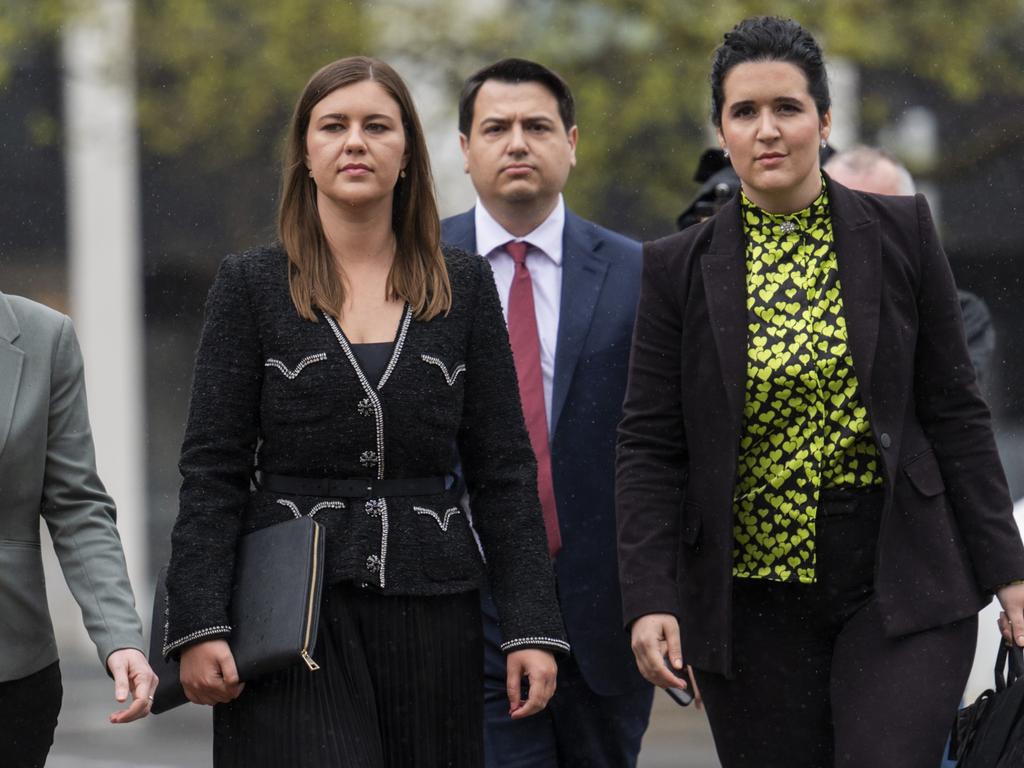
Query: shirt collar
[
  {"x": 758, "y": 219},
  {"x": 547, "y": 237}
]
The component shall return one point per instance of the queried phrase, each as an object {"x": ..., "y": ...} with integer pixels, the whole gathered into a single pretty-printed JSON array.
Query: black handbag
[
  {"x": 990, "y": 732},
  {"x": 275, "y": 606}
]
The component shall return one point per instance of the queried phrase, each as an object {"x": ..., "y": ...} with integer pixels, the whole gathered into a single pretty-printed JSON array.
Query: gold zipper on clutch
[{"x": 304, "y": 653}]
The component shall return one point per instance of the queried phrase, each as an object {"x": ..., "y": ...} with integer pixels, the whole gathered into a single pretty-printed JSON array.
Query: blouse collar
[{"x": 756, "y": 219}]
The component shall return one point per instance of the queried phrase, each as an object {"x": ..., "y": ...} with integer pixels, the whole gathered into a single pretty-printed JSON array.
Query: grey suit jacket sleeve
[{"x": 79, "y": 513}]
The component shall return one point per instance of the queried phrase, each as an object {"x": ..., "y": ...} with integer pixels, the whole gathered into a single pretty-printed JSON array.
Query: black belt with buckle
[{"x": 354, "y": 487}]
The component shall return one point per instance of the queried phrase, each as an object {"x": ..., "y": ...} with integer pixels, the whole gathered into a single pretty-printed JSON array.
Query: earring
[
  {"x": 824, "y": 143},
  {"x": 725, "y": 153},
  {"x": 401, "y": 174},
  {"x": 311, "y": 173}
]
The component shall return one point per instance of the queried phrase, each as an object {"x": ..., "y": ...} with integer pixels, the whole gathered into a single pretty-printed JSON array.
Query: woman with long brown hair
[{"x": 358, "y": 364}]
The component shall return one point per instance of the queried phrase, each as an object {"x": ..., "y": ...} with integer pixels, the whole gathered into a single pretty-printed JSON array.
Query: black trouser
[
  {"x": 817, "y": 682},
  {"x": 400, "y": 685},
  {"x": 28, "y": 717}
]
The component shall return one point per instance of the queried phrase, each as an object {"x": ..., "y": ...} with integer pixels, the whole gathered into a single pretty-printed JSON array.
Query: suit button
[{"x": 885, "y": 440}]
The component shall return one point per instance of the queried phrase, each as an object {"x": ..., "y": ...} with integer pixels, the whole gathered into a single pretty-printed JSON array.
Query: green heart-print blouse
[{"x": 804, "y": 426}]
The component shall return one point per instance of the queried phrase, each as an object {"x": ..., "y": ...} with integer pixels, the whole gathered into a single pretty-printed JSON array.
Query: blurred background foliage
[{"x": 217, "y": 78}]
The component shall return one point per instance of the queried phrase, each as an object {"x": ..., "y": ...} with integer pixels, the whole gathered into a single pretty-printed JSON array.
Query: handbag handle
[{"x": 1009, "y": 665}]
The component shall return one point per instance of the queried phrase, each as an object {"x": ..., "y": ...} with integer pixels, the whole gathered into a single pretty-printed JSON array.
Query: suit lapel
[
  {"x": 11, "y": 359},
  {"x": 460, "y": 231},
  {"x": 723, "y": 268},
  {"x": 858, "y": 245},
  {"x": 583, "y": 271}
]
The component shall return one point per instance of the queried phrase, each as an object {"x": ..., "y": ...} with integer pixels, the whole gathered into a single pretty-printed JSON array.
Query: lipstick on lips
[{"x": 355, "y": 169}]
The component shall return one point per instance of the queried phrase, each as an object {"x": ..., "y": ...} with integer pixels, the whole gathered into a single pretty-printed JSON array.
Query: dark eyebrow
[
  {"x": 343, "y": 116},
  {"x": 526, "y": 119},
  {"x": 777, "y": 100}
]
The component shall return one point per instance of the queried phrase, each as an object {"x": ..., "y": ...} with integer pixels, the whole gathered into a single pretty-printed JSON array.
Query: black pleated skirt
[{"x": 399, "y": 686}]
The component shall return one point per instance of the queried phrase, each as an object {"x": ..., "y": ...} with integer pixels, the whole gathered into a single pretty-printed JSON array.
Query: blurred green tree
[
  {"x": 218, "y": 77},
  {"x": 640, "y": 71}
]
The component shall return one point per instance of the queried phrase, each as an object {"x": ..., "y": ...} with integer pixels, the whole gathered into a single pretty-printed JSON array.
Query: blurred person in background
[
  {"x": 870, "y": 169},
  {"x": 719, "y": 183},
  {"x": 811, "y": 505},
  {"x": 48, "y": 471},
  {"x": 569, "y": 290},
  {"x": 361, "y": 361}
]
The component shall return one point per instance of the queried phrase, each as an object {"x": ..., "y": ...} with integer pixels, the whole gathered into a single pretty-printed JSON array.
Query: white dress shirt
[{"x": 544, "y": 261}]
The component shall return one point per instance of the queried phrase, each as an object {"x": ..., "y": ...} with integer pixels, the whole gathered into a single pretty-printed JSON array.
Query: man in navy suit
[{"x": 518, "y": 135}]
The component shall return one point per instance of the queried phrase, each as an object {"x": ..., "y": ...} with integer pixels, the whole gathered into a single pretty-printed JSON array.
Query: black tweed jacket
[{"x": 271, "y": 384}]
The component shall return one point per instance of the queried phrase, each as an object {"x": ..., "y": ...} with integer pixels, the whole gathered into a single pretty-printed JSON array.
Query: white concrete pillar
[
  {"x": 844, "y": 87},
  {"x": 102, "y": 172}
]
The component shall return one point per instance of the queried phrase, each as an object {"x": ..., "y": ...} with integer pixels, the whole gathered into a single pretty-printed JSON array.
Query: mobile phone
[{"x": 681, "y": 696}]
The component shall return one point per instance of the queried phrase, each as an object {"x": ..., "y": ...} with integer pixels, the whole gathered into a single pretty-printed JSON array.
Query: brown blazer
[{"x": 947, "y": 536}]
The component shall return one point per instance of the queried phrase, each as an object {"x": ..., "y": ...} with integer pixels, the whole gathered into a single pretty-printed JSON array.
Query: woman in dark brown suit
[{"x": 811, "y": 505}]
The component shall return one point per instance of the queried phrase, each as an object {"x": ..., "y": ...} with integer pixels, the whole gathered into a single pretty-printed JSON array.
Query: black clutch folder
[{"x": 275, "y": 606}]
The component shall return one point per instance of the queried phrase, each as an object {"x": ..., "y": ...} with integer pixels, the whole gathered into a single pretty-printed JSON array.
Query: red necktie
[{"x": 522, "y": 333}]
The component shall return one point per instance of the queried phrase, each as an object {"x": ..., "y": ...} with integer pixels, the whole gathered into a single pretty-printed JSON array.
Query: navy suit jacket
[{"x": 600, "y": 289}]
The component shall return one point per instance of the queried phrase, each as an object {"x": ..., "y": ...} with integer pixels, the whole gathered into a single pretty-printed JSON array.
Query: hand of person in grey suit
[
  {"x": 208, "y": 673},
  {"x": 132, "y": 674}
]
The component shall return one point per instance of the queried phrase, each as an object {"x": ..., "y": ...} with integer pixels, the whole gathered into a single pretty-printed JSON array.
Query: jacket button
[
  {"x": 374, "y": 507},
  {"x": 368, "y": 458},
  {"x": 885, "y": 440},
  {"x": 373, "y": 564}
]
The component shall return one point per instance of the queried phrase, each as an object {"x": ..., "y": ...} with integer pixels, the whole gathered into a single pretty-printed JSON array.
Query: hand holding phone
[{"x": 681, "y": 696}]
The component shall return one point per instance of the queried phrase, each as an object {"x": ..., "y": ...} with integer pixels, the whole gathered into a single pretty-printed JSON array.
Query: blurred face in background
[
  {"x": 355, "y": 145},
  {"x": 882, "y": 178},
  {"x": 772, "y": 131},
  {"x": 518, "y": 151}
]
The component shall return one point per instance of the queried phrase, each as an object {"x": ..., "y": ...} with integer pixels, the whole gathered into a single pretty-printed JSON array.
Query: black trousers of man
[{"x": 817, "y": 682}]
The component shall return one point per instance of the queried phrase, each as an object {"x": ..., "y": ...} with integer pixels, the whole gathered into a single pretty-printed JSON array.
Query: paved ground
[{"x": 677, "y": 738}]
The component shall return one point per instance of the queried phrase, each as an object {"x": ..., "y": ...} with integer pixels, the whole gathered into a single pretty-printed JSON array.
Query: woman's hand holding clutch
[{"x": 208, "y": 673}]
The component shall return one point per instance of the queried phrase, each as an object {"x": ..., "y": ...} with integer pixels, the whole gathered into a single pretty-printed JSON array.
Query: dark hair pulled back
[{"x": 769, "y": 38}]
